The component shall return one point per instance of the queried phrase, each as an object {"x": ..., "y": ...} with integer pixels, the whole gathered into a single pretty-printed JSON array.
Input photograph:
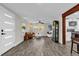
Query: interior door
[{"x": 7, "y": 32}]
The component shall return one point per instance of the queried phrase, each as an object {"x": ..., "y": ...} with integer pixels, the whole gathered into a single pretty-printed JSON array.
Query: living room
[{"x": 31, "y": 27}]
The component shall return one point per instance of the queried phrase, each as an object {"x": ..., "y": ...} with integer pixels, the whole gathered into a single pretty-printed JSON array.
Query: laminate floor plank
[{"x": 40, "y": 47}]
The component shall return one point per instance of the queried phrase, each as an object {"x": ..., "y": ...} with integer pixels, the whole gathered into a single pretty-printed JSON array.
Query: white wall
[
  {"x": 18, "y": 31},
  {"x": 60, "y": 31}
]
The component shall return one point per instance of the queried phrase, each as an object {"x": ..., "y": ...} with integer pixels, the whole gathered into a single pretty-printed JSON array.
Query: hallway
[{"x": 40, "y": 47}]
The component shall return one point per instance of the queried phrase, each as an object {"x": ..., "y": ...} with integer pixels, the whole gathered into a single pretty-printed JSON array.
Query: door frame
[{"x": 64, "y": 15}]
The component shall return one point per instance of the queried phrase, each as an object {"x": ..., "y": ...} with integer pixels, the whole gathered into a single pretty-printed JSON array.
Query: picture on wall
[{"x": 72, "y": 23}]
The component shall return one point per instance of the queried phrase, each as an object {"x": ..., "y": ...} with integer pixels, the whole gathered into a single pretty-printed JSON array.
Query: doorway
[{"x": 64, "y": 15}]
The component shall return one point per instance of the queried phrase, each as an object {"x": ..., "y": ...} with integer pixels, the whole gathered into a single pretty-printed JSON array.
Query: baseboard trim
[{"x": 18, "y": 43}]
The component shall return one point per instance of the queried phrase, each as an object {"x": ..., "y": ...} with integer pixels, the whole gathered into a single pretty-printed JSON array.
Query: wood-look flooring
[{"x": 40, "y": 47}]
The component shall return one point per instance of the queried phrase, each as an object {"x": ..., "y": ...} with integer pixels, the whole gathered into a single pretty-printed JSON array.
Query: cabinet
[{"x": 56, "y": 31}]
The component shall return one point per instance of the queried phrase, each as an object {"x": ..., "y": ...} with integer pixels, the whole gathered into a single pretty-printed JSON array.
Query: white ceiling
[{"x": 49, "y": 10}]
